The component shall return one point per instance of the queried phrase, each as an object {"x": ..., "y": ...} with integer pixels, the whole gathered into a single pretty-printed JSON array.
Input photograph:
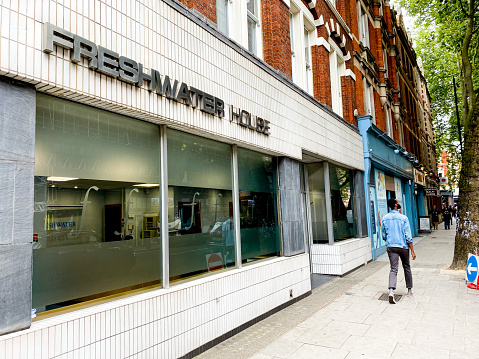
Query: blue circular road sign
[{"x": 471, "y": 269}]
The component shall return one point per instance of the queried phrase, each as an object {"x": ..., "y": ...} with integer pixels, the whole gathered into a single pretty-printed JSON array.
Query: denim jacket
[{"x": 396, "y": 230}]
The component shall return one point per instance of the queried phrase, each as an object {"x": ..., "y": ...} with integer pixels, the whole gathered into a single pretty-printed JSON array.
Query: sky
[{"x": 408, "y": 20}]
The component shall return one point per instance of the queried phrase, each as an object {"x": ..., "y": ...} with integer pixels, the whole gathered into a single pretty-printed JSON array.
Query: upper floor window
[
  {"x": 385, "y": 61},
  {"x": 222, "y": 16},
  {"x": 307, "y": 62},
  {"x": 369, "y": 100},
  {"x": 253, "y": 23},
  {"x": 389, "y": 126},
  {"x": 363, "y": 22},
  {"x": 336, "y": 65},
  {"x": 401, "y": 134},
  {"x": 292, "y": 40}
]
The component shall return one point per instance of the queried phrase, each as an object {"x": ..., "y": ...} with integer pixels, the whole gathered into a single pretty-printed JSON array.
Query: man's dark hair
[{"x": 391, "y": 202}]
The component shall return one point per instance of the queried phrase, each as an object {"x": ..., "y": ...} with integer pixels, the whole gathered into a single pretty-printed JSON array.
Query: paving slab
[
  {"x": 314, "y": 352},
  {"x": 344, "y": 318},
  {"x": 367, "y": 347},
  {"x": 281, "y": 348},
  {"x": 417, "y": 352}
]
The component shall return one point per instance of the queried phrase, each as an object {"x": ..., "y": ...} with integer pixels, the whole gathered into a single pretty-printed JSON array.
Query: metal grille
[{"x": 385, "y": 297}]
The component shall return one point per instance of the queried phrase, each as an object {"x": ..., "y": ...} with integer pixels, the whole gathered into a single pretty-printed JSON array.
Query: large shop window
[
  {"x": 200, "y": 205},
  {"x": 257, "y": 178},
  {"x": 96, "y": 219},
  {"x": 342, "y": 202},
  {"x": 341, "y": 195},
  {"x": 317, "y": 196}
]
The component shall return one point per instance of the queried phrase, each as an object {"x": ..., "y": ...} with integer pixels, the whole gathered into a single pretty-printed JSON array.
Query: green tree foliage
[
  {"x": 448, "y": 43},
  {"x": 440, "y": 66}
]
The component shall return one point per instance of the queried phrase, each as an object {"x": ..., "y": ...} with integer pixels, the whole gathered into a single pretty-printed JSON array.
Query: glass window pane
[
  {"x": 307, "y": 52},
  {"x": 342, "y": 202},
  {"x": 291, "y": 32},
  {"x": 96, "y": 230},
  {"x": 251, "y": 6},
  {"x": 257, "y": 178},
  {"x": 200, "y": 205},
  {"x": 222, "y": 16},
  {"x": 251, "y": 35},
  {"x": 317, "y": 197}
]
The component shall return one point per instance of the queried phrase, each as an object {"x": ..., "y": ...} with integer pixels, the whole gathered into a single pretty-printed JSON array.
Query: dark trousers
[
  {"x": 447, "y": 223},
  {"x": 394, "y": 254}
]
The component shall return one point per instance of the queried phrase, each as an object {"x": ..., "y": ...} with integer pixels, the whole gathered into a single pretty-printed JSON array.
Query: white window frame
[
  {"x": 385, "y": 60},
  {"x": 389, "y": 124},
  {"x": 337, "y": 70},
  {"x": 363, "y": 25},
  {"x": 227, "y": 17},
  {"x": 302, "y": 18},
  {"x": 257, "y": 34},
  {"x": 292, "y": 37},
  {"x": 369, "y": 100},
  {"x": 308, "y": 63}
]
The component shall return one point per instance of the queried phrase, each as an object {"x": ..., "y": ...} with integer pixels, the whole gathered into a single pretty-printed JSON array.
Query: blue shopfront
[{"x": 388, "y": 174}]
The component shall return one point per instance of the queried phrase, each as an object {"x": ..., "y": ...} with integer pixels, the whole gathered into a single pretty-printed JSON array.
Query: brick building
[{"x": 354, "y": 56}]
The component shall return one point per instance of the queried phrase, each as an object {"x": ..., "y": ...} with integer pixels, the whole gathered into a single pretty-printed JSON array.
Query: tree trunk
[{"x": 467, "y": 235}]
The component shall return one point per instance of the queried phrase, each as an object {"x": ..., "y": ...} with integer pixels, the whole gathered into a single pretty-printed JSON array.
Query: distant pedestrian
[
  {"x": 454, "y": 213},
  {"x": 451, "y": 211},
  {"x": 446, "y": 216},
  {"x": 435, "y": 217},
  {"x": 397, "y": 234}
]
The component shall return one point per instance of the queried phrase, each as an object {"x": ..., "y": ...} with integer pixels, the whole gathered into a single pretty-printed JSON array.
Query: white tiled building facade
[{"x": 169, "y": 321}]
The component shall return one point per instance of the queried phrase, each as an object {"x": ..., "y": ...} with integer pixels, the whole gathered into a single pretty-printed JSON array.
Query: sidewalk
[{"x": 345, "y": 319}]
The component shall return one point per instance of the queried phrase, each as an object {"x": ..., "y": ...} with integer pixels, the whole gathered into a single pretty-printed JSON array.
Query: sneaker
[
  {"x": 391, "y": 298},
  {"x": 410, "y": 294}
]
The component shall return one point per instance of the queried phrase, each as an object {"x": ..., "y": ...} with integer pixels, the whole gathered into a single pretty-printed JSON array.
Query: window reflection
[
  {"x": 200, "y": 205},
  {"x": 342, "y": 202},
  {"x": 257, "y": 178},
  {"x": 319, "y": 224},
  {"x": 96, "y": 204}
]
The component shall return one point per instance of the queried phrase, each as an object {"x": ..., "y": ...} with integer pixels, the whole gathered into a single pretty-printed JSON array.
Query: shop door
[
  {"x": 305, "y": 208},
  {"x": 112, "y": 222}
]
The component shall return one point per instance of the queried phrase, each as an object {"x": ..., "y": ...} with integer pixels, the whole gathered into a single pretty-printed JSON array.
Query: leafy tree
[{"x": 449, "y": 46}]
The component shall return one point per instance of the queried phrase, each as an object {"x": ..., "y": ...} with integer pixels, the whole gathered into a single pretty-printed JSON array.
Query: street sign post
[{"x": 472, "y": 269}]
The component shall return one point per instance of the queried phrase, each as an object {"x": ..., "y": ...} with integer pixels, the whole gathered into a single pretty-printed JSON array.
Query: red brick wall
[
  {"x": 320, "y": 60},
  {"x": 205, "y": 7},
  {"x": 395, "y": 128},
  {"x": 379, "y": 112},
  {"x": 276, "y": 37},
  {"x": 341, "y": 7},
  {"x": 321, "y": 75},
  {"x": 349, "y": 99},
  {"x": 359, "y": 92}
]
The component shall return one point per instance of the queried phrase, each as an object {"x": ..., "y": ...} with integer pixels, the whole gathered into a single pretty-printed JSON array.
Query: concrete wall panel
[
  {"x": 16, "y": 287},
  {"x": 291, "y": 208},
  {"x": 17, "y": 149}
]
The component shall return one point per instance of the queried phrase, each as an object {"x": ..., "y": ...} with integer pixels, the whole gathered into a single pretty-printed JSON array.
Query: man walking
[
  {"x": 446, "y": 216},
  {"x": 435, "y": 217},
  {"x": 397, "y": 234}
]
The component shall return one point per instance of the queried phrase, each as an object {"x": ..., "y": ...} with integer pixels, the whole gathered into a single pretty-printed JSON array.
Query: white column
[
  {"x": 236, "y": 210},
  {"x": 165, "y": 244},
  {"x": 329, "y": 211}
]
